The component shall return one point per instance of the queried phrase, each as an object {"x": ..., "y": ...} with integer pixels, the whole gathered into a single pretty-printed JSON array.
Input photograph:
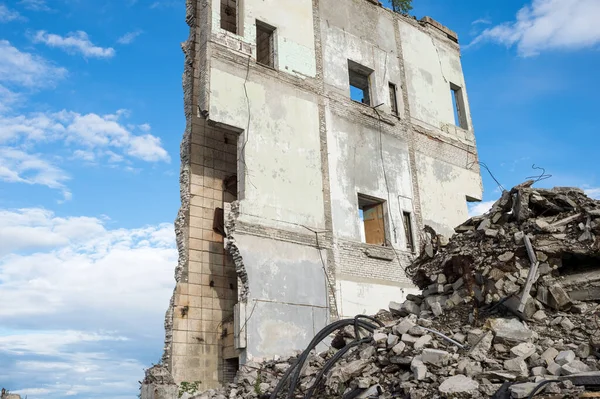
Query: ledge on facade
[
  {"x": 448, "y": 32},
  {"x": 383, "y": 253}
]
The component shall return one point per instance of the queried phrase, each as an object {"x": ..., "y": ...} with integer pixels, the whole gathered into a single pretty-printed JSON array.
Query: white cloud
[
  {"x": 129, "y": 37},
  {"x": 35, "y": 5},
  {"x": 92, "y": 300},
  {"x": 17, "y": 166},
  {"x": 593, "y": 192},
  {"x": 549, "y": 25},
  {"x": 479, "y": 208},
  {"x": 74, "y": 42},
  {"x": 26, "y": 69},
  {"x": 481, "y": 21},
  {"x": 8, "y": 15}
]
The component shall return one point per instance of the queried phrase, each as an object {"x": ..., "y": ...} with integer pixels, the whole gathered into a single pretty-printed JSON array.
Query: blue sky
[{"x": 90, "y": 123}]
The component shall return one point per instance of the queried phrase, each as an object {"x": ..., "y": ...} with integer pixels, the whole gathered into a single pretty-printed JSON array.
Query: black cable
[
  {"x": 483, "y": 165},
  {"x": 541, "y": 177},
  {"x": 541, "y": 384}
]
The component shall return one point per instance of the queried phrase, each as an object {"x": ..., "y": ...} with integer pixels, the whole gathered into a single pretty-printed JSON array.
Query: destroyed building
[{"x": 321, "y": 137}]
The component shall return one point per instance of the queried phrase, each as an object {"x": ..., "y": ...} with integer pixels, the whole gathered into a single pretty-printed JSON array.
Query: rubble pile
[{"x": 508, "y": 309}]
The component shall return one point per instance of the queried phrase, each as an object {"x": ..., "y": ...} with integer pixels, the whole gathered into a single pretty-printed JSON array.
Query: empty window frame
[
  {"x": 408, "y": 231},
  {"x": 393, "y": 99},
  {"x": 229, "y": 15},
  {"x": 359, "y": 77},
  {"x": 372, "y": 215},
  {"x": 265, "y": 44},
  {"x": 458, "y": 104}
]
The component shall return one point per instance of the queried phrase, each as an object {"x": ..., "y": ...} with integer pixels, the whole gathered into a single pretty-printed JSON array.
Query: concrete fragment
[
  {"x": 459, "y": 337},
  {"x": 392, "y": 340},
  {"x": 409, "y": 339},
  {"x": 538, "y": 371},
  {"x": 567, "y": 324},
  {"x": 574, "y": 367},
  {"x": 380, "y": 339},
  {"x": 422, "y": 341},
  {"x": 399, "y": 348},
  {"x": 500, "y": 348},
  {"x": 458, "y": 384},
  {"x": 523, "y": 350},
  {"x": 505, "y": 257},
  {"x": 560, "y": 298},
  {"x": 435, "y": 356},
  {"x": 436, "y": 308},
  {"x": 539, "y": 315},
  {"x": 510, "y": 330},
  {"x": 583, "y": 350},
  {"x": 469, "y": 368},
  {"x": 517, "y": 365},
  {"x": 403, "y": 326},
  {"x": 418, "y": 368},
  {"x": 554, "y": 369},
  {"x": 411, "y": 307},
  {"x": 480, "y": 350},
  {"x": 565, "y": 357},
  {"x": 523, "y": 390},
  {"x": 395, "y": 308},
  {"x": 458, "y": 284}
]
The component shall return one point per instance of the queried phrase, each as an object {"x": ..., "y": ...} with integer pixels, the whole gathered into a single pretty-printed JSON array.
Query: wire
[
  {"x": 537, "y": 388},
  {"x": 243, "y": 154},
  {"x": 483, "y": 165},
  {"x": 541, "y": 177}
]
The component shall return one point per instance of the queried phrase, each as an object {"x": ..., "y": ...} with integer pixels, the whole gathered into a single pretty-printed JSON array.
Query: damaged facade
[{"x": 321, "y": 137}]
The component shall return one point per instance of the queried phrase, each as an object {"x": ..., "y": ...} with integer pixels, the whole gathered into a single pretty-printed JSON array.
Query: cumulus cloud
[
  {"x": 129, "y": 37},
  {"x": 26, "y": 69},
  {"x": 549, "y": 25},
  {"x": 74, "y": 42},
  {"x": 8, "y": 15},
  {"x": 91, "y": 301},
  {"x": 479, "y": 208}
]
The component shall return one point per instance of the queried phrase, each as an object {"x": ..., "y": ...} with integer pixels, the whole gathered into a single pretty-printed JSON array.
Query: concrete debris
[{"x": 474, "y": 327}]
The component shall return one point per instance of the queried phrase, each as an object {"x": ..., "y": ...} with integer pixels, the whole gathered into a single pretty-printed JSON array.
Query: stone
[
  {"x": 474, "y": 335},
  {"x": 505, "y": 257},
  {"x": 503, "y": 375},
  {"x": 458, "y": 284},
  {"x": 441, "y": 279},
  {"x": 491, "y": 233},
  {"x": 422, "y": 341},
  {"x": 399, "y": 348},
  {"x": 469, "y": 368},
  {"x": 567, "y": 324},
  {"x": 538, "y": 371},
  {"x": 584, "y": 350},
  {"x": 518, "y": 365},
  {"x": 459, "y": 337},
  {"x": 518, "y": 237},
  {"x": 564, "y": 357},
  {"x": 392, "y": 340},
  {"x": 481, "y": 349},
  {"x": 523, "y": 350},
  {"x": 435, "y": 356},
  {"x": 403, "y": 326},
  {"x": 523, "y": 390},
  {"x": 510, "y": 330},
  {"x": 353, "y": 369},
  {"x": 549, "y": 355},
  {"x": 417, "y": 331},
  {"x": 574, "y": 367},
  {"x": 395, "y": 308},
  {"x": 539, "y": 315},
  {"x": 554, "y": 369},
  {"x": 418, "y": 368},
  {"x": 380, "y": 339},
  {"x": 411, "y": 307},
  {"x": 559, "y": 296},
  {"x": 500, "y": 348},
  {"x": 458, "y": 384},
  {"x": 409, "y": 339},
  {"x": 436, "y": 308}
]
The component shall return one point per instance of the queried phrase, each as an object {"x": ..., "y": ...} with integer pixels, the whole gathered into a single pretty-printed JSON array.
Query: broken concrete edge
[
  {"x": 181, "y": 224},
  {"x": 234, "y": 251}
]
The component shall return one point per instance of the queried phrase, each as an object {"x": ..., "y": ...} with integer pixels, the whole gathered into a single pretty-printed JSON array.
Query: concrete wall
[{"x": 294, "y": 35}]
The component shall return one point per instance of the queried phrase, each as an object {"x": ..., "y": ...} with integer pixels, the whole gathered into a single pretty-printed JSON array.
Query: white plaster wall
[
  {"x": 364, "y": 34},
  {"x": 368, "y": 297},
  {"x": 431, "y": 65},
  {"x": 355, "y": 166},
  {"x": 444, "y": 188},
  {"x": 282, "y": 148},
  {"x": 293, "y": 20}
]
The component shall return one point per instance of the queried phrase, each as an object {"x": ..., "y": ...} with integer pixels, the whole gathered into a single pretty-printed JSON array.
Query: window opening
[
  {"x": 229, "y": 15},
  {"x": 393, "y": 99},
  {"x": 408, "y": 231},
  {"x": 372, "y": 216},
  {"x": 359, "y": 77},
  {"x": 458, "y": 105},
  {"x": 265, "y": 44}
]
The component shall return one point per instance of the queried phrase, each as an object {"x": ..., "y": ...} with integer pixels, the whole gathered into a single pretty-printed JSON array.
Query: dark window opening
[
  {"x": 372, "y": 215},
  {"x": 458, "y": 104},
  {"x": 393, "y": 99},
  {"x": 230, "y": 189},
  {"x": 229, "y": 15},
  {"x": 265, "y": 44},
  {"x": 230, "y": 369},
  {"x": 359, "y": 77},
  {"x": 408, "y": 231}
]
